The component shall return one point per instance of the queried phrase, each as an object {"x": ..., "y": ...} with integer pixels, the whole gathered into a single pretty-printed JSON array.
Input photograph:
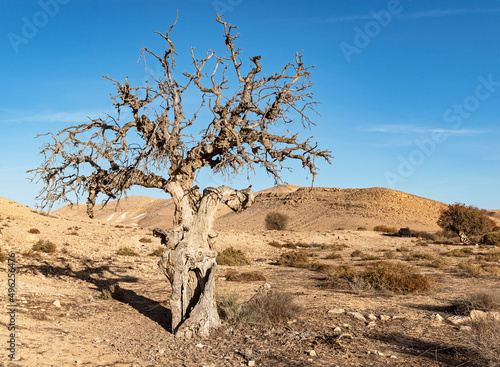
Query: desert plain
[{"x": 65, "y": 316}]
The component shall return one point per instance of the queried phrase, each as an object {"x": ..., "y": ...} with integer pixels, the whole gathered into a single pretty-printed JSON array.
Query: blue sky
[{"x": 409, "y": 90}]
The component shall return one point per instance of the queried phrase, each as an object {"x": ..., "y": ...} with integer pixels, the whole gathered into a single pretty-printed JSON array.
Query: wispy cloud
[
  {"x": 416, "y": 15},
  {"x": 412, "y": 129},
  {"x": 9, "y": 116}
]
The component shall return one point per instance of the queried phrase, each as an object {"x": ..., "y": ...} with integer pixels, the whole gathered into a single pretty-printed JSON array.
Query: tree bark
[{"x": 189, "y": 261}]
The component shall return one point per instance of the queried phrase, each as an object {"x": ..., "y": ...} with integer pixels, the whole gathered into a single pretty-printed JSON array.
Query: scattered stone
[
  {"x": 384, "y": 318},
  {"x": 345, "y": 326},
  {"x": 199, "y": 345},
  {"x": 337, "y": 329},
  {"x": 336, "y": 311},
  {"x": 393, "y": 357},
  {"x": 57, "y": 303},
  {"x": 251, "y": 363},
  {"x": 357, "y": 315},
  {"x": 311, "y": 352},
  {"x": 477, "y": 315},
  {"x": 371, "y": 324},
  {"x": 458, "y": 320},
  {"x": 372, "y": 317},
  {"x": 436, "y": 317},
  {"x": 465, "y": 328}
]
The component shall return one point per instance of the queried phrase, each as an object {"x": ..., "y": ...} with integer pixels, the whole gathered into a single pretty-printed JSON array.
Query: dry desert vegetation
[{"x": 89, "y": 292}]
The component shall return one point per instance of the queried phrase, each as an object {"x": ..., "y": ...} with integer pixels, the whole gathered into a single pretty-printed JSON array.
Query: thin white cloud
[
  {"x": 12, "y": 117},
  {"x": 415, "y": 15},
  {"x": 412, "y": 129}
]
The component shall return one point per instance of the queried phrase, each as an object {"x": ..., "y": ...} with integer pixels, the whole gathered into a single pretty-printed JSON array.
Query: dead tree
[{"x": 157, "y": 148}]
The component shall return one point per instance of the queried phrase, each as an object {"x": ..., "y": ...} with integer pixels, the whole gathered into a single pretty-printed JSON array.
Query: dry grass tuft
[
  {"x": 251, "y": 276},
  {"x": 158, "y": 252},
  {"x": 484, "y": 341},
  {"x": 232, "y": 257},
  {"x": 471, "y": 268},
  {"x": 481, "y": 300},
  {"x": 34, "y": 231},
  {"x": 126, "y": 251},
  {"x": 384, "y": 275},
  {"x": 296, "y": 259},
  {"x": 44, "y": 246},
  {"x": 460, "y": 252},
  {"x": 385, "y": 229},
  {"x": 145, "y": 240},
  {"x": 334, "y": 256}
]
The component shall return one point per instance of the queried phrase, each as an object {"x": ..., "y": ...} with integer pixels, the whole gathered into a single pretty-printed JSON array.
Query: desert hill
[{"x": 308, "y": 209}]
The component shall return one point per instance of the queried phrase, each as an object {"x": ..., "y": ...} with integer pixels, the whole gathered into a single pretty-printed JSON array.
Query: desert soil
[{"x": 63, "y": 317}]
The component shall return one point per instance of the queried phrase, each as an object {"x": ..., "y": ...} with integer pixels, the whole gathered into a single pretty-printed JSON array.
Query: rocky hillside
[{"x": 317, "y": 209}]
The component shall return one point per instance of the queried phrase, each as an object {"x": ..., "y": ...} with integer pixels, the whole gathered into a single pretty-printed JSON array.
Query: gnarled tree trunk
[{"x": 189, "y": 259}]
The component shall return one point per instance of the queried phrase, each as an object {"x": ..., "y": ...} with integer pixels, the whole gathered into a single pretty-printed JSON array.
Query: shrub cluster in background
[
  {"x": 276, "y": 221},
  {"x": 385, "y": 229}
]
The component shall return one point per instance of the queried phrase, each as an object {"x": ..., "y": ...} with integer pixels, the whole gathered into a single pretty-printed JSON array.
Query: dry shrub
[
  {"x": 437, "y": 263},
  {"x": 471, "y": 268},
  {"x": 287, "y": 244},
  {"x": 251, "y": 276},
  {"x": 158, "y": 252},
  {"x": 492, "y": 256},
  {"x": 232, "y": 257},
  {"x": 334, "y": 256},
  {"x": 44, "y": 246},
  {"x": 273, "y": 308},
  {"x": 461, "y": 252},
  {"x": 296, "y": 259},
  {"x": 403, "y": 249},
  {"x": 126, "y": 251},
  {"x": 320, "y": 267},
  {"x": 424, "y": 235},
  {"x": 34, "y": 231},
  {"x": 276, "y": 221},
  {"x": 389, "y": 254},
  {"x": 481, "y": 300},
  {"x": 420, "y": 256},
  {"x": 3, "y": 258},
  {"x": 484, "y": 341},
  {"x": 369, "y": 257},
  {"x": 492, "y": 239},
  {"x": 227, "y": 307},
  {"x": 334, "y": 246},
  {"x": 357, "y": 253},
  {"x": 145, "y": 240},
  {"x": 492, "y": 269},
  {"x": 385, "y": 229},
  {"x": 384, "y": 275}
]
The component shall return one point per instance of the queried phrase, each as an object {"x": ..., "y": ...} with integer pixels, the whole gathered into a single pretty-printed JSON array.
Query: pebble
[
  {"x": 199, "y": 345},
  {"x": 372, "y": 317},
  {"x": 311, "y": 352},
  {"x": 57, "y": 303},
  {"x": 251, "y": 363},
  {"x": 458, "y": 320},
  {"x": 336, "y": 311},
  {"x": 385, "y": 318},
  {"x": 357, "y": 315},
  {"x": 372, "y": 324}
]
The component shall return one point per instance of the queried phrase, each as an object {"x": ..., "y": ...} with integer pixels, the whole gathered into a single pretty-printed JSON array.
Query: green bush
[{"x": 276, "y": 221}]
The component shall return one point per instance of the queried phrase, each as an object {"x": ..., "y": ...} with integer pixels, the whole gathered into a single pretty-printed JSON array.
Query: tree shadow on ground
[
  {"x": 102, "y": 277},
  {"x": 437, "y": 352}
]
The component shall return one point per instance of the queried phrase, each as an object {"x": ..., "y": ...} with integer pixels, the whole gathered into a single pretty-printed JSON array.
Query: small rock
[
  {"x": 251, "y": 363},
  {"x": 384, "y": 318},
  {"x": 336, "y": 311},
  {"x": 477, "y": 315},
  {"x": 79, "y": 362},
  {"x": 458, "y": 320},
  {"x": 161, "y": 351},
  {"x": 436, "y": 317},
  {"x": 311, "y": 352},
  {"x": 57, "y": 303},
  {"x": 357, "y": 315},
  {"x": 337, "y": 329},
  {"x": 465, "y": 328},
  {"x": 345, "y": 326},
  {"x": 372, "y": 317},
  {"x": 393, "y": 357},
  {"x": 372, "y": 324},
  {"x": 199, "y": 345},
  {"x": 378, "y": 353}
]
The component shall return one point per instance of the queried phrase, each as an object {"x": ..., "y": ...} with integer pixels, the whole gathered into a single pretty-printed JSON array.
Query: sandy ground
[{"x": 62, "y": 318}]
